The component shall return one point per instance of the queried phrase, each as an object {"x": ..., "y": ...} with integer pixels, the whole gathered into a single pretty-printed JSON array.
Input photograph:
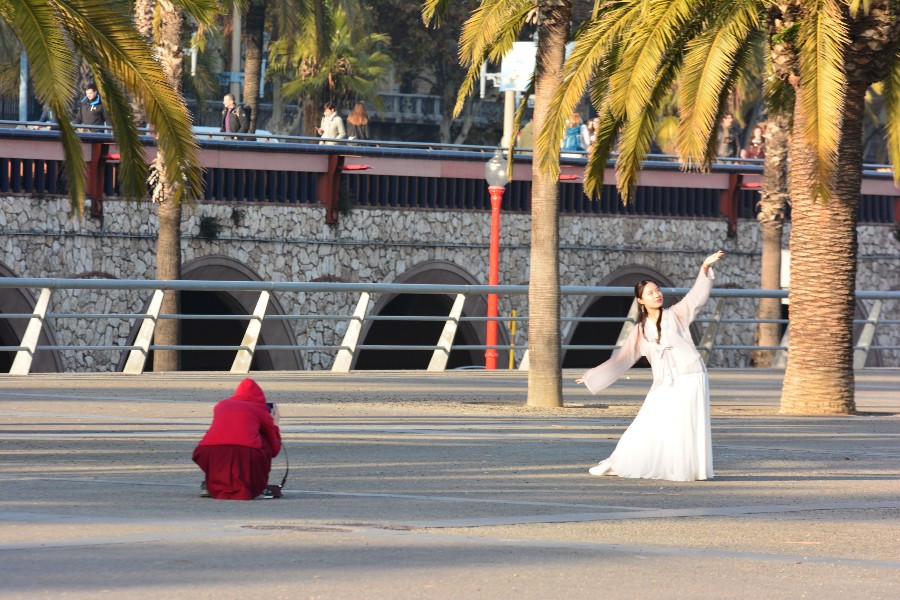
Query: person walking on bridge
[{"x": 670, "y": 438}]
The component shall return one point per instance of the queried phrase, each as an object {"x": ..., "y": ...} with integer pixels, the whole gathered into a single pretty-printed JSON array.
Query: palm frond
[
  {"x": 434, "y": 11},
  {"x": 489, "y": 33},
  {"x": 592, "y": 49},
  {"x": 102, "y": 33},
  {"x": 892, "y": 112},
  {"x": 855, "y": 5},
  {"x": 663, "y": 23},
  {"x": 517, "y": 125},
  {"x": 634, "y": 141},
  {"x": 133, "y": 168},
  {"x": 38, "y": 26},
  {"x": 203, "y": 11},
  {"x": 709, "y": 66},
  {"x": 823, "y": 37},
  {"x": 607, "y": 136}
]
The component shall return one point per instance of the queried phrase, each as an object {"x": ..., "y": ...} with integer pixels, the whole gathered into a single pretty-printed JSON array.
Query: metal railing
[
  {"x": 348, "y": 349},
  {"x": 395, "y": 174}
]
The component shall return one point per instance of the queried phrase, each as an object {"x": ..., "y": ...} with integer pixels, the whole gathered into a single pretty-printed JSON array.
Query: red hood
[{"x": 248, "y": 391}]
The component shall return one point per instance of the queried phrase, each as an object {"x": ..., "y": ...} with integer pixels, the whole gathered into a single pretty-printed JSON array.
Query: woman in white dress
[{"x": 670, "y": 436}]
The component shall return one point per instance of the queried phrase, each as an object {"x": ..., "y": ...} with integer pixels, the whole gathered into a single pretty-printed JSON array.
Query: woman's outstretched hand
[
  {"x": 579, "y": 380},
  {"x": 712, "y": 258}
]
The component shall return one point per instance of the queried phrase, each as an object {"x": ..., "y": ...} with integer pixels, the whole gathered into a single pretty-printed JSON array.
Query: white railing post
[
  {"x": 345, "y": 355},
  {"x": 137, "y": 358},
  {"x": 861, "y": 352},
  {"x": 22, "y": 363},
  {"x": 442, "y": 353},
  {"x": 780, "y": 360},
  {"x": 244, "y": 357},
  {"x": 709, "y": 336}
]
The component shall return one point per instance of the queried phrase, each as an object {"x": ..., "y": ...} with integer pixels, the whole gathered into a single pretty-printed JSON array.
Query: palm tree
[
  {"x": 163, "y": 21},
  {"x": 489, "y": 34},
  {"x": 52, "y": 33},
  {"x": 826, "y": 54},
  {"x": 352, "y": 63}
]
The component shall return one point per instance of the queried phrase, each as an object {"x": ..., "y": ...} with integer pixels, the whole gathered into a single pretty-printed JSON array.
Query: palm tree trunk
[
  {"x": 168, "y": 241},
  {"x": 253, "y": 44},
  {"x": 168, "y": 267},
  {"x": 772, "y": 206},
  {"x": 544, "y": 374},
  {"x": 819, "y": 375}
]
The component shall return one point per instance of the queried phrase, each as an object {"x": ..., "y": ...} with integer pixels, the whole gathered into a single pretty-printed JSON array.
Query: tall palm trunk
[
  {"x": 143, "y": 22},
  {"x": 544, "y": 375},
  {"x": 253, "y": 47},
  {"x": 819, "y": 375},
  {"x": 168, "y": 241},
  {"x": 772, "y": 207}
]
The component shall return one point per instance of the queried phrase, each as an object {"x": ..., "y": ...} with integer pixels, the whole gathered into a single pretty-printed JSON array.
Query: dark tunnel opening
[
  {"x": 598, "y": 333},
  {"x": 210, "y": 332},
  {"x": 416, "y": 333},
  {"x": 8, "y": 337}
]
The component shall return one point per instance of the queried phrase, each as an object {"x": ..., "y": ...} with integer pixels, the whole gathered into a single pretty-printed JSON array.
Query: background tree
[
  {"x": 427, "y": 61},
  {"x": 53, "y": 33},
  {"x": 828, "y": 52},
  {"x": 353, "y": 62},
  {"x": 489, "y": 34},
  {"x": 165, "y": 20}
]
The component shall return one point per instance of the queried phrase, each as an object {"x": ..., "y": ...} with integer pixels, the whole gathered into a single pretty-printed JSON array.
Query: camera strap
[{"x": 287, "y": 464}]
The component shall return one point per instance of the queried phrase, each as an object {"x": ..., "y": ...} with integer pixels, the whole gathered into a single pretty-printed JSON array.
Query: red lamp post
[{"x": 495, "y": 174}]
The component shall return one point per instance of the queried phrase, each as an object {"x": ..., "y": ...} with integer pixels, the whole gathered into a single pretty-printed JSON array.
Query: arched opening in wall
[
  {"x": 416, "y": 333},
  {"x": 593, "y": 333},
  {"x": 227, "y": 332},
  {"x": 425, "y": 333},
  {"x": 7, "y": 338},
  {"x": 18, "y": 301}
]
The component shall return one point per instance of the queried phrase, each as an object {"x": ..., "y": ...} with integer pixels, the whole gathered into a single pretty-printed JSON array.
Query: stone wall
[{"x": 41, "y": 238}]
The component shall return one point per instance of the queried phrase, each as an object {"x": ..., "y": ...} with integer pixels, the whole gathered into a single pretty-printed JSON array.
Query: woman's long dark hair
[
  {"x": 642, "y": 310},
  {"x": 359, "y": 116}
]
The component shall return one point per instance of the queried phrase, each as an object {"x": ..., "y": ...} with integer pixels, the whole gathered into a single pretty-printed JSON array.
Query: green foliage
[
  {"x": 209, "y": 228},
  {"x": 708, "y": 49},
  {"x": 53, "y": 32},
  {"x": 355, "y": 60}
]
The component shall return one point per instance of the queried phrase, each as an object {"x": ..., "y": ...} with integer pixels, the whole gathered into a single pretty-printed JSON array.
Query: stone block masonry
[{"x": 40, "y": 237}]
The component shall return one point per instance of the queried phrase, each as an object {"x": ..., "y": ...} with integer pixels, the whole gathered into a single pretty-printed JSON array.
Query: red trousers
[{"x": 234, "y": 472}]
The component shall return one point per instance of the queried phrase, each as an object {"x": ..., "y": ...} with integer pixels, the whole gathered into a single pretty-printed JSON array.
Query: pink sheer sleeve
[
  {"x": 687, "y": 309},
  {"x": 606, "y": 374}
]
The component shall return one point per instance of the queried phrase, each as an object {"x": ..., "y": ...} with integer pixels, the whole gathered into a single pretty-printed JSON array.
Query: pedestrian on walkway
[
  {"x": 358, "y": 123},
  {"x": 234, "y": 116},
  {"x": 332, "y": 127},
  {"x": 237, "y": 451},
  {"x": 90, "y": 110},
  {"x": 670, "y": 437}
]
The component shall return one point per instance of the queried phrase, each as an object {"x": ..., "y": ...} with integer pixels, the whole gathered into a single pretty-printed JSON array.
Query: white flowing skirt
[{"x": 670, "y": 436}]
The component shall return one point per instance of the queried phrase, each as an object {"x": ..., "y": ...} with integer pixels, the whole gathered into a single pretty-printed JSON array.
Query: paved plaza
[{"x": 415, "y": 485}]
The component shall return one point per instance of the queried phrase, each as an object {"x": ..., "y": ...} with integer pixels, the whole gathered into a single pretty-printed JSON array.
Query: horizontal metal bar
[
  {"x": 96, "y": 316},
  {"x": 385, "y": 288}
]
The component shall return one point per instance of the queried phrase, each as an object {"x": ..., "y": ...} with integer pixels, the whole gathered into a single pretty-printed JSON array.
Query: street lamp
[{"x": 495, "y": 174}]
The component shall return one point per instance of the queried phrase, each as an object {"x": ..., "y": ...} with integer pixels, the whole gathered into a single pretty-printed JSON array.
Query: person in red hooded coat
[{"x": 237, "y": 451}]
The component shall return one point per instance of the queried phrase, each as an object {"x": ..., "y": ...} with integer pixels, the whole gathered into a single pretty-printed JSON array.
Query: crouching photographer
[{"x": 237, "y": 451}]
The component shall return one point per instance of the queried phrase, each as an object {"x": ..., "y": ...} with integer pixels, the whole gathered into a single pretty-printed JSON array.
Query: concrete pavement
[{"x": 415, "y": 485}]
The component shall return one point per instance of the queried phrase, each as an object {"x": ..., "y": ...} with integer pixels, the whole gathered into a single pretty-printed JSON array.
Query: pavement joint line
[
  {"x": 430, "y": 498},
  {"x": 438, "y": 432},
  {"x": 661, "y": 550},
  {"x": 723, "y": 511},
  {"x": 618, "y": 512}
]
